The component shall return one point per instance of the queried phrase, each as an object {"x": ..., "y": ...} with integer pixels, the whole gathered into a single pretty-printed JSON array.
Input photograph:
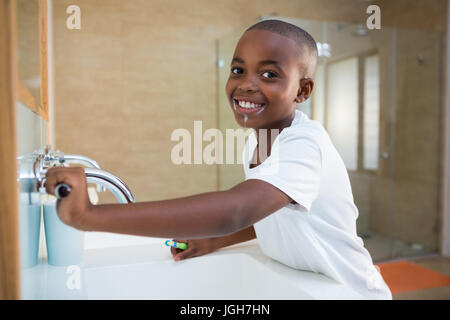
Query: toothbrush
[
  {"x": 178, "y": 245},
  {"x": 62, "y": 190}
]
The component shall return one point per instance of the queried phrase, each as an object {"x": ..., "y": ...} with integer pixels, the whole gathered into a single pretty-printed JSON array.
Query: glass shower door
[
  {"x": 414, "y": 151},
  {"x": 382, "y": 112}
]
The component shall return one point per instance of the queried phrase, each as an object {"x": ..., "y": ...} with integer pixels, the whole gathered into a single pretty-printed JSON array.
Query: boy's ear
[{"x": 305, "y": 90}]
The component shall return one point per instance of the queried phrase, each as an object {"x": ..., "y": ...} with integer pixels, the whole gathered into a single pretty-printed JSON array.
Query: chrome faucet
[
  {"x": 73, "y": 158},
  {"x": 111, "y": 182},
  {"x": 78, "y": 159},
  {"x": 34, "y": 167}
]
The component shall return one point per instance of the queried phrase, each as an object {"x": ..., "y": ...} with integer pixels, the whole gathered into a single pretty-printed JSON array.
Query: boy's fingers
[
  {"x": 174, "y": 251},
  {"x": 183, "y": 255},
  {"x": 52, "y": 180},
  {"x": 179, "y": 254},
  {"x": 57, "y": 175}
]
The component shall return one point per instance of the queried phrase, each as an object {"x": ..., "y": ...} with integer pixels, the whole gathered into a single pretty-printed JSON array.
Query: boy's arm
[
  {"x": 199, "y": 247},
  {"x": 213, "y": 214},
  {"x": 238, "y": 237}
]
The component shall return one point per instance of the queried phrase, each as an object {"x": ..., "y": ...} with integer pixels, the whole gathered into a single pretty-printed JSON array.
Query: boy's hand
[
  {"x": 199, "y": 247},
  {"x": 196, "y": 248},
  {"x": 73, "y": 209}
]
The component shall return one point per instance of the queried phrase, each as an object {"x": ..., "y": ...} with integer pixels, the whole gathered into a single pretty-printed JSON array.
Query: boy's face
[{"x": 265, "y": 80}]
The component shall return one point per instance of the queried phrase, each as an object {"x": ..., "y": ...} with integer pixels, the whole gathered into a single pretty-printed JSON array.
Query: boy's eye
[
  {"x": 269, "y": 74},
  {"x": 236, "y": 70}
]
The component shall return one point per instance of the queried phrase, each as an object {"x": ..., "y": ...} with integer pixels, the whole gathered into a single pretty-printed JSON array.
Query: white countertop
[{"x": 148, "y": 271}]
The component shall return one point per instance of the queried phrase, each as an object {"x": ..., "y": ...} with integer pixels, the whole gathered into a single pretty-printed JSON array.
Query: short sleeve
[{"x": 294, "y": 166}]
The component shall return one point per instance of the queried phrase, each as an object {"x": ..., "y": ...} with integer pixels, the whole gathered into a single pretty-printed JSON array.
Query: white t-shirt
[{"x": 319, "y": 232}]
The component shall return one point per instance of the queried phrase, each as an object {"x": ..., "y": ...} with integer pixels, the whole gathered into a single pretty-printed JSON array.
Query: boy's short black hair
[{"x": 303, "y": 39}]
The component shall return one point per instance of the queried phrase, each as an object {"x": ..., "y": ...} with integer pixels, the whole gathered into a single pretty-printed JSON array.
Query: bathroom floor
[
  {"x": 436, "y": 263},
  {"x": 382, "y": 249}
]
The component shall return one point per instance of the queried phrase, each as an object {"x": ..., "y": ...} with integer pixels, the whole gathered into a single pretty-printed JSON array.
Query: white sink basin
[
  {"x": 234, "y": 276},
  {"x": 240, "y": 272}
]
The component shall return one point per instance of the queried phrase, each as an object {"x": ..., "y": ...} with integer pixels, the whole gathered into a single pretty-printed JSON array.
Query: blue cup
[
  {"x": 30, "y": 227},
  {"x": 65, "y": 245}
]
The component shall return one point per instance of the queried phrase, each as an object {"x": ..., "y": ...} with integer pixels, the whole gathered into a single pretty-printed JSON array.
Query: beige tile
[
  {"x": 440, "y": 293},
  {"x": 416, "y": 213},
  {"x": 438, "y": 264}
]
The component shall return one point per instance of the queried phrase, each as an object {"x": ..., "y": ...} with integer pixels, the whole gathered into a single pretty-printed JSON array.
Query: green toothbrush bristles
[{"x": 181, "y": 245}]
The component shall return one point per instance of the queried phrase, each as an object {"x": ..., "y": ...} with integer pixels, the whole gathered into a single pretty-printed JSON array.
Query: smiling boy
[{"x": 302, "y": 213}]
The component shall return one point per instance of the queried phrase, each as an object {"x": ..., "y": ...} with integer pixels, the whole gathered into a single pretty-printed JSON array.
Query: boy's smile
[{"x": 264, "y": 84}]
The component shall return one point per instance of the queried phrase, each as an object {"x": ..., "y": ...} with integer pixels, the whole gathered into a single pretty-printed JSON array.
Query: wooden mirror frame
[{"x": 9, "y": 225}]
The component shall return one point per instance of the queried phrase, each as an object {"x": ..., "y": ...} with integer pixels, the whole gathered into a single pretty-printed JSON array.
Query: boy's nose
[{"x": 247, "y": 86}]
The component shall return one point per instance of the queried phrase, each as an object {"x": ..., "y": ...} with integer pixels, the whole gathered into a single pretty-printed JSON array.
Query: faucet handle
[
  {"x": 59, "y": 155},
  {"x": 52, "y": 155},
  {"x": 46, "y": 160}
]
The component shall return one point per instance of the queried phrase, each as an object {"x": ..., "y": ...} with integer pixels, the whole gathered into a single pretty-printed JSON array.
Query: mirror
[
  {"x": 31, "y": 128},
  {"x": 28, "y": 48},
  {"x": 31, "y": 136}
]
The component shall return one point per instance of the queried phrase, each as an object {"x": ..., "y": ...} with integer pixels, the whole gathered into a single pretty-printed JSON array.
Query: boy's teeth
[{"x": 248, "y": 105}]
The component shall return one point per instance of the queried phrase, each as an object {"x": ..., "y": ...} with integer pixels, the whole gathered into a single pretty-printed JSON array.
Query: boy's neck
[
  {"x": 275, "y": 130},
  {"x": 266, "y": 137}
]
